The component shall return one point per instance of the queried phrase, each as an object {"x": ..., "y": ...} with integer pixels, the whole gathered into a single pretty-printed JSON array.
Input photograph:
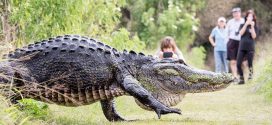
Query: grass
[
  {"x": 265, "y": 80},
  {"x": 238, "y": 104}
]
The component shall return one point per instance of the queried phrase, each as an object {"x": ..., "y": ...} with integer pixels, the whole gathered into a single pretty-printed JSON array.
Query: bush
[
  {"x": 34, "y": 108},
  {"x": 155, "y": 19},
  {"x": 26, "y": 110},
  {"x": 37, "y": 20},
  {"x": 196, "y": 57}
]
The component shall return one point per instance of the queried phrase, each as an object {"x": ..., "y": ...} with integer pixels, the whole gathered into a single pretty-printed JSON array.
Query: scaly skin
[{"x": 72, "y": 70}]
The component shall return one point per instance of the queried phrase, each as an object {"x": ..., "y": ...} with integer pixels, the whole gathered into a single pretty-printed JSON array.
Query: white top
[{"x": 233, "y": 28}]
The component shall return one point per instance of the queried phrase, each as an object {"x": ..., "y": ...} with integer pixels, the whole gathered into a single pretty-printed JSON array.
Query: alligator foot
[
  {"x": 108, "y": 107},
  {"x": 166, "y": 111},
  {"x": 132, "y": 86}
]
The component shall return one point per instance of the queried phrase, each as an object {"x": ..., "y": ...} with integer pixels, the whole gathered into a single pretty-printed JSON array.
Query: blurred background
[{"x": 126, "y": 24}]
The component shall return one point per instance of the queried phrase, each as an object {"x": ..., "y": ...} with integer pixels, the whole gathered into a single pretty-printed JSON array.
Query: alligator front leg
[
  {"x": 132, "y": 86},
  {"x": 108, "y": 107}
]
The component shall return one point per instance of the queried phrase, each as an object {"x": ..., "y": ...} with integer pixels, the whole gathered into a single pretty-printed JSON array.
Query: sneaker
[
  {"x": 250, "y": 75},
  {"x": 236, "y": 80},
  {"x": 241, "y": 81}
]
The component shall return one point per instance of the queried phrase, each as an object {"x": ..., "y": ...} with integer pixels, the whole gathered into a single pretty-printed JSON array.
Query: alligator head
[{"x": 169, "y": 80}]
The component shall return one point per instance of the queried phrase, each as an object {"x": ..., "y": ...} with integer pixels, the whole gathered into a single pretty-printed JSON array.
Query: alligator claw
[{"x": 166, "y": 111}]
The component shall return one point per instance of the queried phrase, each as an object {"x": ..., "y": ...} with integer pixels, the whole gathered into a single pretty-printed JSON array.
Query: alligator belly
[{"x": 71, "y": 97}]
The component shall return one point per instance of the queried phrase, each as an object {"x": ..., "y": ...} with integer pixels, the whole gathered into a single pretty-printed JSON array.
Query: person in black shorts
[
  {"x": 234, "y": 39},
  {"x": 248, "y": 32}
]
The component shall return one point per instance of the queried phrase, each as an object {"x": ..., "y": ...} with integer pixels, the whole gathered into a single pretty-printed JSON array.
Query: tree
[
  {"x": 154, "y": 19},
  {"x": 46, "y": 18},
  {"x": 7, "y": 30}
]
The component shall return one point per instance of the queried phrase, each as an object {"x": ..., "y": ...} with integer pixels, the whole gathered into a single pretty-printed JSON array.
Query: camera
[
  {"x": 167, "y": 54},
  {"x": 237, "y": 33}
]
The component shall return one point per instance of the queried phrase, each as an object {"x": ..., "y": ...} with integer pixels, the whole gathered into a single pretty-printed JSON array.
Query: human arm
[
  {"x": 212, "y": 41},
  {"x": 160, "y": 54},
  {"x": 243, "y": 29},
  {"x": 175, "y": 56},
  {"x": 157, "y": 53},
  {"x": 253, "y": 31},
  {"x": 211, "y": 38},
  {"x": 228, "y": 28},
  {"x": 179, "y": 54}
]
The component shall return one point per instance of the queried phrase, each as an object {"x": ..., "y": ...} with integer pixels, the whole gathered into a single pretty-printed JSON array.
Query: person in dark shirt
[{"x": 248, "y": 32}]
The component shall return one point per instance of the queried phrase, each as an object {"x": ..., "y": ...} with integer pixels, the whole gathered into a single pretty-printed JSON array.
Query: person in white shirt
[{"x": 234, "y": 37}]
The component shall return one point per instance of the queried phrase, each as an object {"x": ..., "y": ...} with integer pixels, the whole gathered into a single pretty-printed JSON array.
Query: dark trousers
[{"x": 242, "y": 54}]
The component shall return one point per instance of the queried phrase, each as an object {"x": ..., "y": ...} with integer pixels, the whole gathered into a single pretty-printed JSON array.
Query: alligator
[{"x": 73, "y": 70}]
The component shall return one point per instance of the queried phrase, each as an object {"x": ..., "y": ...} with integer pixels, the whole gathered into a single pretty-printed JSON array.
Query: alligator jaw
[
  {"x": 179, "y": 78},
  {"x": 205, "y": 87}
]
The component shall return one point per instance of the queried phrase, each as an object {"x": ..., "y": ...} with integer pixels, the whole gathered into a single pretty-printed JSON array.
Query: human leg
[
  {"x": 233, "y": 67},
  {"x": 250, "y": 64},
  {"x": 217, "y": 60},
  {"x": 225, "y": 62},
  {"x": 232, "y": 50},
  {"x": 240, "y": 57}
]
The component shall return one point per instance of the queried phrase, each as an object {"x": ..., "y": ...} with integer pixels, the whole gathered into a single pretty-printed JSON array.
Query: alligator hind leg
[{"x": 108, "y": 107}]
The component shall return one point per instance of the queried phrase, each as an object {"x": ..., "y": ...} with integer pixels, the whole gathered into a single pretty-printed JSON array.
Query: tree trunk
[{"x": 7, "y": 28}]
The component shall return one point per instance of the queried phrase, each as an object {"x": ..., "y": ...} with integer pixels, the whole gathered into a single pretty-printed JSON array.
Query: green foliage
[
  {"x": 155, "y": 19},
  {"x": 196, "y": 57},
  {"x": 25, "y": 111},
  {"x": 266, "y": 81},
  {"x": 34, "y": 108},
  {"x": 120, "y": 39},
  {"x": 46, "y": 18}
]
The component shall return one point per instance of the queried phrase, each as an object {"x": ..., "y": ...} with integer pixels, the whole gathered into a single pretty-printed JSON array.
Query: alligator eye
[{"x": 168, "y": 72}]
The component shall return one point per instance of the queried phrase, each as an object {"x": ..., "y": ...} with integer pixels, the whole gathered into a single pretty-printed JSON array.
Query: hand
[
  {"x": 213, "y": 44},
  {"x": 251, "y": 30},
  {"x": 248, "y": 22},
  {"x": 252, "y": 23}
]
